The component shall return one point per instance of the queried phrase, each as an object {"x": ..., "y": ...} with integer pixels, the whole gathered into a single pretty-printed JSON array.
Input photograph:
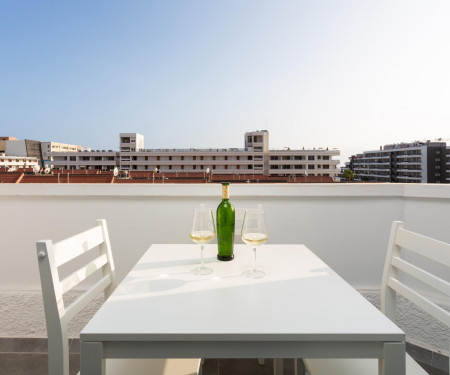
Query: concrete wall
[
  {"x": 16, "y": 148},
  {"x": 347, "y": 225}
]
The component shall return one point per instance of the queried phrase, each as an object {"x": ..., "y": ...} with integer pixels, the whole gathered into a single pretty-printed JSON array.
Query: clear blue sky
[{"x": 347, "y": 74}]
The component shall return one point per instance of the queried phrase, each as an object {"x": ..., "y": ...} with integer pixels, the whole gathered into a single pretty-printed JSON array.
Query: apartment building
[
  {"x": 24, "y": 148},
  {"x": 13, "y": 163},
  {"x": 417, "y": 162},
  {"x": 49, "y": 147},
  {"x": 255, "y": 158},
  {"x": 448, "y": 164}
]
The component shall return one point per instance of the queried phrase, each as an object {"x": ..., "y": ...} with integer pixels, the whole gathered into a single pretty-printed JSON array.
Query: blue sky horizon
[{"x": 352, "y": 75}]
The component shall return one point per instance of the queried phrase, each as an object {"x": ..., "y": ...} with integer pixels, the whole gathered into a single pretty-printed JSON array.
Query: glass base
[
  {"x": 202, "y": 271},
  {"x": 254, "y": 274}
]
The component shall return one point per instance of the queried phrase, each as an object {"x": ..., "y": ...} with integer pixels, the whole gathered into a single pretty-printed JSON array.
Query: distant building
[
  {"x": 448, "y": 164},
  {"x": 3, "y": 143},
  {"x": 24, "y": 148},
  {"x": 48, "y": 147},
  {"x": 417, "y": 162},
  {"x": 255, "y": 158},
  {"x": 13, "y": 163}
]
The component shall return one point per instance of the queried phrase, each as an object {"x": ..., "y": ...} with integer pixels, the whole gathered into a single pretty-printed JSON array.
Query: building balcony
[{"x": 137, "y": 216}]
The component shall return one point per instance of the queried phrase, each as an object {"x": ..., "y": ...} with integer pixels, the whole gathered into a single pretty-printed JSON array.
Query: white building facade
[
  {"x": 13, "y": 163},
  {"x": 50, "y": 147},
  {"x": 256, "y": 158}
]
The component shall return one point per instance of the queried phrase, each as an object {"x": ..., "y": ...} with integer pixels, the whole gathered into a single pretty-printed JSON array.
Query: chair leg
[
  {"x": 278, "y": 366},
  {"x": 299, "y": 367}
]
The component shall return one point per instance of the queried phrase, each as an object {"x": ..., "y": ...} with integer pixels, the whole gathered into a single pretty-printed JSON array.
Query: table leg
[
  {"x": 278, "y": 366},
  {"x": 91, "y": 358},
  {"x": 393, "y": 361}
]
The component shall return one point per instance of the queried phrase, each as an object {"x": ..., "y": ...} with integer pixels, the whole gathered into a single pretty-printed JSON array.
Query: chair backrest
[
  {"x": 51, "y": 256},
  {"x": 435, "y": 250}
]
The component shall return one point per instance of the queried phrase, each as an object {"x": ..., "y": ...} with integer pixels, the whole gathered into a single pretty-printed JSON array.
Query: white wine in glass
[
  {"x": 254, "y": 233},
  {"x": 203, "y": 231}
]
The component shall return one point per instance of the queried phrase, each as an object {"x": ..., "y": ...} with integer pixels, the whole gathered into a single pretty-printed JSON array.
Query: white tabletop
[{"x": 300, "y": 299}]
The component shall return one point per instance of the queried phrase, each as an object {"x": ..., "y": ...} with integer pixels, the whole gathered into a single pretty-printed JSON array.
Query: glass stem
[
  {"x": 254, "y": 260},
  {"x": 202, "y": 263}
]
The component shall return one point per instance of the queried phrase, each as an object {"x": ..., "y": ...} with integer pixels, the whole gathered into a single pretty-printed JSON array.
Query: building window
[
  {"x": 250, "y": 166},
  {"x": 250, "y": 157},
  {"x": 310, "y": 157},
  {"x": 310, "y": 166},
  {"x": 249, "y": 139},
  {"x": 286, "y": 158},
  {"x": 72, "y": 158},
  {"x": 286, "y": 166},
  {"x": 298, "y": 166},
  {"x": 297, "y": 157}
]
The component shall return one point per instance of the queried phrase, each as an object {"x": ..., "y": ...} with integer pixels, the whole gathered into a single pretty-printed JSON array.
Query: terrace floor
[{"x": 29, "y": 357}]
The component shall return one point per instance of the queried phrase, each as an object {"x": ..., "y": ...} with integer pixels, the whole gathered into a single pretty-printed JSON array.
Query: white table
[{"x": 300, "y": 309}]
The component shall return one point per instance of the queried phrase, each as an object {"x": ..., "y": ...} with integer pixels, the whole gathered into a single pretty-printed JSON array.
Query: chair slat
[
  {"x": 77, "y": 245},
  {"x": 435, "y": 250},
  {"x": 85, "y": 298},
  {"x": 424, "y": 276},
  {"x": 427, "y": 305},
  {"x": 84, "y": 272}
]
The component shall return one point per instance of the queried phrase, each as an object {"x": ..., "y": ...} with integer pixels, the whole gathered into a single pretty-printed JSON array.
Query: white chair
[
  {"x": 53, "y": 255},
  {"x": 412, "y": 242}
]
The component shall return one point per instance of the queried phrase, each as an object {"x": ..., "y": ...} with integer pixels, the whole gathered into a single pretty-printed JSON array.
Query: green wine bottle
[{"x": 225, "y": 225}]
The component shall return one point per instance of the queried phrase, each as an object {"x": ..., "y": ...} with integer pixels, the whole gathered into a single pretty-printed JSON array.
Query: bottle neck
[{"x": 225, "y": 192}]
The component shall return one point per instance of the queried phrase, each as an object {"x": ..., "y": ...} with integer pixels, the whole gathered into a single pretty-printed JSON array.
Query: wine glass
[
  {"x": 254, "y": 233},
  {"x": 203, "y": 231}
]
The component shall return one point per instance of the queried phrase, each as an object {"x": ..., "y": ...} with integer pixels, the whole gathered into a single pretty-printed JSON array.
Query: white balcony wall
[{"x": 347, "y": 225}]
